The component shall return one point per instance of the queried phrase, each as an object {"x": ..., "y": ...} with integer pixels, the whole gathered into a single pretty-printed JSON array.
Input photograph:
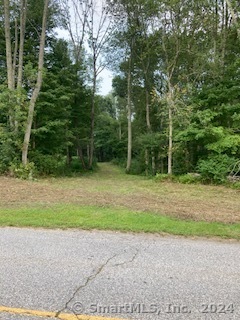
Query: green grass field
[
  {"x": 111, "y": 200},
  {"x": 88, "y": 217}
]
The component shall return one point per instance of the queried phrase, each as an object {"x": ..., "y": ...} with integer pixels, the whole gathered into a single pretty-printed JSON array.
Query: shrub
[
  {"x": 119, "y": 162},
  {"x": 48, "y": 164},
  {"x": 215, "y": 168},
  {"x": 18, "y": 170},
  {"x": 236, "y": 185},
  {"x": 189, "y": 178},
  {"x": 137, "y": 167},
  {"x": 161, "y": 177},
  {"x": 3, "y": 167}
]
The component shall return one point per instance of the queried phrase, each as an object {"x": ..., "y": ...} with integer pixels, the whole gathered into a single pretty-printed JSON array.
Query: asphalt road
[{"x": 117, "y": 275}]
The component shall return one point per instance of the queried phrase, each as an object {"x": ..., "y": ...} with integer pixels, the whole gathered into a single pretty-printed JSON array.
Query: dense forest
[{"x": 175, "y": 102}]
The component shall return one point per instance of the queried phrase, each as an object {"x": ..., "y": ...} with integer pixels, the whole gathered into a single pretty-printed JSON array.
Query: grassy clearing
[
  {"x": 90, "y": 217},
  {"x": 110, "y": 199}
]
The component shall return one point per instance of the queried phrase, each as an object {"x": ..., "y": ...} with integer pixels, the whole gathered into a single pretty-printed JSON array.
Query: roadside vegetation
[
  {"x": 109, "y": 199},
  {"x": 174, "y": 106},
  {"x": 120, "y": 219},
  {"x": 171, "y": 120}
]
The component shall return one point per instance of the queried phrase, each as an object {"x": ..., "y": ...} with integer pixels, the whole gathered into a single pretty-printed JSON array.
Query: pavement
[{"x": 93, "y": 275}]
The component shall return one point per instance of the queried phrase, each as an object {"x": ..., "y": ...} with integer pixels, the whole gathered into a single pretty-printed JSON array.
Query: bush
[
  {"x": 119, "y": 162},
  {"x": 161, "y": 177},
  {"x": 236, "y": 185},
  {"x": 215, "y": 168},
  {"x": 137, "y": 167},
  {"x": 26, "y": 172},
  {"x": 76, "y": 165},
  {"x": 3, "y": 167},
  {"x": 8, "y": 150},
  {"x": 189, "y": 178},
  {"x": 56, "y": 165},
  {"x": 48, "y": 164}
]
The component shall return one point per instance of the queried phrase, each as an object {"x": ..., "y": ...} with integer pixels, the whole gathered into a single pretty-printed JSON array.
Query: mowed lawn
[{"x": 110, "y": 199}]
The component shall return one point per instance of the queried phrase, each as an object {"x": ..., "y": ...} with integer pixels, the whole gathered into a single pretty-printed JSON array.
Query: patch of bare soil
[{"x": 189, "y": 202}]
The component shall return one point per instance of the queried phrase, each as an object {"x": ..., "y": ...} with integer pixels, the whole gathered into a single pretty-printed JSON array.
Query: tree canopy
[{"x": 174, "y": 106}]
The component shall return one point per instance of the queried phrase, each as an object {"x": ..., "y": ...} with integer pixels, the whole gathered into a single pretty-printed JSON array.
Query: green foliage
[
  {"x": 30, "y": 73},
  {"x": 189, "y": 178},
  {"x": 119, "y": 162},
  {"x": 120, "y": 86},
  {"x": 215, "y": 168},
  {"x": 56, "y": 165},
  {"x": 149, "y": 140},
  {"x": 228, "y": 143},
  {"x": 18, "y": 170},
  {"x": 107, "y": 142},
  {"x": 13, "y": 103},
  {"x": 62, "y": 121},
  {"x": 110, "y": 131},
  {"x": 10, "y": 145},
  {"x": 75, "y": 167},
  {"x": 137, "y": 167},
  {"x": 161, "y": 177},
  {"x": 48, "y": 164},
  {"x": 236, "y": 185},
  {"x": 199, "y": 68},
  {"x": 6, "y": 150}
]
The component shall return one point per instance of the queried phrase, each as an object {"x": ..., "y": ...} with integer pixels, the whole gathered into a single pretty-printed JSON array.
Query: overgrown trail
[
  {"x": 109, "y": 171},
  {"x": 111, "y": 187}
]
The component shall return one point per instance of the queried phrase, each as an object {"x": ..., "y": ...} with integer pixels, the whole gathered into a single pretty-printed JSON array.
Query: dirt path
[{"x": 111, "y": 187}]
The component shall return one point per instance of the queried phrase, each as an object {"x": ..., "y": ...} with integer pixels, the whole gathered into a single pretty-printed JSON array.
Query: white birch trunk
[
  {"x": 37, "y": 87},
  {"x": 129, "y": 115}
]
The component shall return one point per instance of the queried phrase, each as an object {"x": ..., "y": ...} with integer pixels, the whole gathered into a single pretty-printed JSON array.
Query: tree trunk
[
  {"x": 21, "y": 45},
  {"x": 8, "y": 55},
  {"x": 15, "y": 52},
  {"x": 149, "y": 128},
  {"x": 146, "y": 161},
  {"x": 148, "y": 124},
  {"x": 215, "y": 31},
  {"x": 69, "y": 156},
  {"x": 88, "y": 155},
  {"x": 129, "y": 115},
  {"x": 37, "y": 87},
  {"x": 8, "y": 45},
  {"x": 170, "y": 127},
  {"x": 162, "y": 165},
  {"x": 234, "y": 17},
  {"x": 147, "y": 110},
  {"x": 120, "y": 131},
  {"x": 225, "y": 19},
  {"x": 21, "y": 51},
  {"x": 80, "y": 154},
  {"x": 15, "y": 109},
  {"x": 153, "y": 163},
  {"x": 91, "y": 151}
]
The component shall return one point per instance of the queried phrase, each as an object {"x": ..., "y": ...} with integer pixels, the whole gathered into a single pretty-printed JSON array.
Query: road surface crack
[
  {"x": 128, "y": 261},
  {"x": 92, "y": 277},
  {"x": 88, "y": 280}
]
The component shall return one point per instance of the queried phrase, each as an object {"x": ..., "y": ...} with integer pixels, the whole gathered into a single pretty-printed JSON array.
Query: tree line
[{"x": 174, "y": 107}]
